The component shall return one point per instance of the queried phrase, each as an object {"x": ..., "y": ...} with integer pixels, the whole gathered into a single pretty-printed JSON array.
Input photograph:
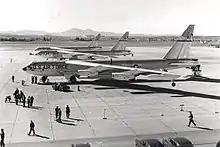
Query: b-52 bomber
[
  {"x": 119, "y": 49},
  {"x": 93, "y": 45},
  {"x": 128, "y": 70}
]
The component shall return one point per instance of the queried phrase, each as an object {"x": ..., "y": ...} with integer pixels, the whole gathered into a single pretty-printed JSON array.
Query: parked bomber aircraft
[
  {"x": 94, "y": 44},
  {"x": 118, "y": 49},
  {"x": 177, "y": 57}
]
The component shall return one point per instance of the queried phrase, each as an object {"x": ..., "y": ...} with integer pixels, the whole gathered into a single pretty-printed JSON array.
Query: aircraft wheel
[
  {"x": 173, "y": 84},
  {"x": 72, "y": 79},
  {"x": 44, "y": 78},
  {"x": 132, "y": 55}
]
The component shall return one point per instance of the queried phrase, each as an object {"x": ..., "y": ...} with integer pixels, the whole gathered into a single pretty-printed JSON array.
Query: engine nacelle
[
  {"x": 67, "y": 56},
  {"x": 123, "y": 76},
  {"x": 87, "y": 73}
]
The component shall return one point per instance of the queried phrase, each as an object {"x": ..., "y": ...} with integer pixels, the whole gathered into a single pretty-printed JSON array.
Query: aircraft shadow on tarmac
[
  {"x": 149, "y": 89},
  {"x": 112, "y": 84}
]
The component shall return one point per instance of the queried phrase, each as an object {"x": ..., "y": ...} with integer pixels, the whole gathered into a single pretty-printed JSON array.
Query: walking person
[
  {"x": 2, "y": 143},
  {"x": 32, "y": 125},
  {"x": 13, "y": 78},
  {"x": 191, "y": 119},
  {"x": 56, "y": 112},
  {"x": 67, "y": 111}
]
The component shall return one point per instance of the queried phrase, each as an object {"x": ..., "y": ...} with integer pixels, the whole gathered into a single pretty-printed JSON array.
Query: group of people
[
  {"x": 20, "y": 97},
  {"x": 58, "y": 113}
]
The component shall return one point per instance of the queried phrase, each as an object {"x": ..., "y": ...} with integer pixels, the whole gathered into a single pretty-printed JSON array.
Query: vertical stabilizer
[
  {"x": 121, "y": 43},
  {"x": 180, "y": 49},
  {"x": 95, "y": 42}
]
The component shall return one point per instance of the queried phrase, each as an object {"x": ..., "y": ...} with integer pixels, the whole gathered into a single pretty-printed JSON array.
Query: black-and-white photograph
[{"x": 109, "y": 73}]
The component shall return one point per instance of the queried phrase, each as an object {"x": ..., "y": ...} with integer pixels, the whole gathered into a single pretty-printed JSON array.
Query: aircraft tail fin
[
  {"x": 182, "y": 46},
  {"x": 121, "y": 43},
  {"x": 95, "y": 42}
]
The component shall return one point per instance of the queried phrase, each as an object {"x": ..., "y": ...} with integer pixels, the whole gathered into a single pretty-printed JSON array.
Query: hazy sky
[{"x": 136, "y": 16}]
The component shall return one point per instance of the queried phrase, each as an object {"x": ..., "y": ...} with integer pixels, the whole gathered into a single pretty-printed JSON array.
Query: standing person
[
  {"x": 31, "y": 100},
  {"x": 67, "y": 111},
  {"x": 191, "y": 119},
  {"x": 56, "y": 112},
  {"x": 24, "y": 101},
  {"x": 13, "y": 78},
  {"x": 32, "y": 79},
  {"x": 35, "y": 79},
  {"x": 78, "y": 88},
  {"x": 32, "y": 125},
  {"x": 2, "y": 138},
  {"x": 59, "y": 115},
  {"x": 16, "y": 99}
]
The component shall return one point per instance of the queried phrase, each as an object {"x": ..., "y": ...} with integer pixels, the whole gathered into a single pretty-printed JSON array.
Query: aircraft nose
[{"x": 24, "y": 69}]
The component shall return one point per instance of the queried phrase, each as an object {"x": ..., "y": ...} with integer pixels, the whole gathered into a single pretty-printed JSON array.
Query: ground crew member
[
  {"x": 78, "y": 88},
  {"x": 32, "y": 125},
  {"x": 24, "y": 101},
  {"x": 56, "y": 112},
  {"x": 31, "y": 100},
  {"x": 13, "y": 78},
  {"x": 67, "y": 111},
  {"x": 32, "y": 79},
  {"x": 35, "y": 79},
  {"x": 191, "y": 119},
  {"x": 59, "y": 115},
  {"x": 2, "y": 138}
]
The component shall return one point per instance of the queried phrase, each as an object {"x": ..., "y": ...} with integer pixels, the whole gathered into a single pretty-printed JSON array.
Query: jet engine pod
[
  {"x": 87, "y": 73},
  {"x": 123, "y": 76}
]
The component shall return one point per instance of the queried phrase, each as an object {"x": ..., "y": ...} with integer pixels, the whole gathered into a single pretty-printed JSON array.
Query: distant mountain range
[{"x": 71, "y": 32}]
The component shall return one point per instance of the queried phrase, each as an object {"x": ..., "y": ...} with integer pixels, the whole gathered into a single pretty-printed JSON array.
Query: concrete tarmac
[{"x": 144, "y": 109}]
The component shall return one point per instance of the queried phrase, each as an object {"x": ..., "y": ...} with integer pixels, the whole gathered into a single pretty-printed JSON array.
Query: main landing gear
[
  {"x": 73, "y": 79},
  {"x": 173, "y": 83},
  {"x": 196, "y": 71},
  {"x": 44, "y": 79}
]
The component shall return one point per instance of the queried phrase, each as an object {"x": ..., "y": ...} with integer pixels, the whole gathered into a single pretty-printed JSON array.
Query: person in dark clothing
[
  {"x": 67, "y": 111},
  {"x": 191, "y": 119},
  {"x": 7, "y": 99},
  {"x": 78, "y": 88},
  {"x": 13, "y": 78},
  {"x": 32, "y": 125},
  {"x": 31, "y": 100},
  {"x": 2, "y": 138},
  {"x": 56, "y": 112},
  {"x": 21, "y": 96},
  {"x": 16, "y": 100},
  {"x": 24, "y": 101},
  {"x": 32, "y": 79},
  {"x": 35, "y": 79},
  {"x": 59, "y": 115},
  {"x": 16, "y": 92}
]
